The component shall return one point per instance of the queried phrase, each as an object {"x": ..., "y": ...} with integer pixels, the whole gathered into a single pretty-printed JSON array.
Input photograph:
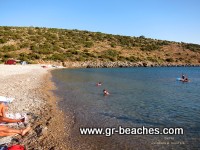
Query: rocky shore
[
  {"x": 30, "y": 85},
  {"x": 109, "y": 64}
]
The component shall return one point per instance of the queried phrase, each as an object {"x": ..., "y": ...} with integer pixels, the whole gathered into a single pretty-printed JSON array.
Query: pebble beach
[{"x": 31, "y": 86}]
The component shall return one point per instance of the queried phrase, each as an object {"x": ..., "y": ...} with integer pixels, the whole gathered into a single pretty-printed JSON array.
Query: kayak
[{"x": 180, "y": 79}]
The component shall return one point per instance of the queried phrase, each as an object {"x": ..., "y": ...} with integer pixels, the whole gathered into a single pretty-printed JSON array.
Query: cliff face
[{"x": 37, "y": 45}]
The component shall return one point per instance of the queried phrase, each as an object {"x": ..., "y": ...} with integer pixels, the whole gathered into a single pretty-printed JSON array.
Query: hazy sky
[{"x": 174, "y": 20}]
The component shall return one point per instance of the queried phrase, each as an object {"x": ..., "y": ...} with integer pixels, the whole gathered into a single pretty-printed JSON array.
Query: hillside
[{"x": 34, "y": 44}]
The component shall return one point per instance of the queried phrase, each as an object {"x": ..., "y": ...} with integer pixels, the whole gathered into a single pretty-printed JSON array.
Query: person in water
[
  {"x": 105, "y": 92},
  {"x": 184, "y": 78},
  {"x": 99, "y": 84}
]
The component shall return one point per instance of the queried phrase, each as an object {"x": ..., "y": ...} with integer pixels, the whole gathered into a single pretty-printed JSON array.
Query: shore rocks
[
  {"x": 41, "y": 130},
  {"x": 109, "y": 64}
]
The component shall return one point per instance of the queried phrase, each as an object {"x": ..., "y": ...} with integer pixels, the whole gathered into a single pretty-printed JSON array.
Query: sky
[{"x": 172, "y": 20}]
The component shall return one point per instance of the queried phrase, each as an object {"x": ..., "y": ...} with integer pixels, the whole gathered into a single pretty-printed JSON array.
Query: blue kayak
[{"x": 179, "y": 79}]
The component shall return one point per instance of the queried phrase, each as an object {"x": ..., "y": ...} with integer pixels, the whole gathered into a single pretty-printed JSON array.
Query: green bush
[
  {"x": 110, "y": 54},
  {"x": 57, "y": 57},
  {"x": 88, "y": 44},
  {"x": 2, "y": 41},
  {"x": 152, "y": 59},
  {"x": 44, "y": 51},
  {"x": 23, "y": 57},
  {"x": 122, "y": 58},
  {"x": 80, "y": 58},
  {"x": 132, "y": 59},
  {"x": 8, "y": 48},
  {"x": 31, "y": 32},
  {"x": 87, "y": 54},
  {"x": 10, "y": 55},
  {"x": 24, "y": 45},
  {"x": 68, "y": 54},
  {"x": 169, "y": 59},
  {"x": 34, "y": 47},
  {"x": 113, "y": 45},
  {"x": 192, "y": 47},
  {"x": 34, "y": 56},
  {"x": 150, "y": 47}
]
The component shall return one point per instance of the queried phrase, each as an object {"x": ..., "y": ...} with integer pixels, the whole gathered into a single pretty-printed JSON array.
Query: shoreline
[
  {"x": 31, "y": 86},
  {"x": 80, "y": 107},
  {"x": 120, "y": 64}
]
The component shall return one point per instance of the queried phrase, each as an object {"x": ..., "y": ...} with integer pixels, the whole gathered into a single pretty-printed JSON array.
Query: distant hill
[{"x": 34, "y": 44}]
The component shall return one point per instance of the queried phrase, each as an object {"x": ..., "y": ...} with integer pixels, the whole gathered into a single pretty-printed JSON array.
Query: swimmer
[
  {"x": 99, "y": 84},
  {"x": 184, "y": 78},
  {"x": 105, "y": 92}
]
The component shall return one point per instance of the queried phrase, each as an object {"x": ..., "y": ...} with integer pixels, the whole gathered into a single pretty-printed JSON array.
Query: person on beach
[
  {"x": 6, "y": 131},
  {"x": 3, "y": 108},
  {"x": 3, "y": 118},
  {"x": 9, "y": 120},
  {"x": 105, "y": 92}
]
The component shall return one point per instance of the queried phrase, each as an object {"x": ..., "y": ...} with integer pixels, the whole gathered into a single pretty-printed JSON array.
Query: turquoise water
[{"x": 149, "y": 97}]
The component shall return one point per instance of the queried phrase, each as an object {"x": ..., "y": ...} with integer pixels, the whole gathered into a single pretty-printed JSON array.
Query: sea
[{"x": 140, "y": 99}]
